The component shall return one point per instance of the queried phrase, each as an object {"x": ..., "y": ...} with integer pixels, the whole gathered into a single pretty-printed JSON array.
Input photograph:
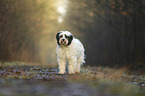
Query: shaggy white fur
[{"x": 73, "y": 54}]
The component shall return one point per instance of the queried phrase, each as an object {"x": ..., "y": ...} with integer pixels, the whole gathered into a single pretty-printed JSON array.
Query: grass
[{"x": 100, "y": 81}]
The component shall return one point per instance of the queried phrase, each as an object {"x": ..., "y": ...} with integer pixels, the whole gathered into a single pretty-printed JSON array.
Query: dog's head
[{"x": 64, "y": 38}]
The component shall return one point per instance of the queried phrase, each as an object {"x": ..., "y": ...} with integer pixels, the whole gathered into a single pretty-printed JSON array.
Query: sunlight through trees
[
  {"x": 61, "y": 9},
  {"x": 112, "y": 31},
  {"x": 28, "y": 31}
]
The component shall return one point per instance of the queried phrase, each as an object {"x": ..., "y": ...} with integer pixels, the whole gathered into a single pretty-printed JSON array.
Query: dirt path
[
  {"x": 43, "y": 81},
  {"x": 33, "y": 87}
]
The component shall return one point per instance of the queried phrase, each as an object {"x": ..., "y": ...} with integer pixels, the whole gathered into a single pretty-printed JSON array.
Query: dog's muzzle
[{"x": 63, "y": 41}]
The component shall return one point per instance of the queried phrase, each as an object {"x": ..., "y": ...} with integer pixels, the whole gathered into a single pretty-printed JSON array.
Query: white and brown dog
[{"x": 71, "y": 50}]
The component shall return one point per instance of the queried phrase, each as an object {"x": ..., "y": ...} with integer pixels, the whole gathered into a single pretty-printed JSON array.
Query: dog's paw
[
  {"x": 61, "y": 72},
  {"x": 71, "y": 72}
]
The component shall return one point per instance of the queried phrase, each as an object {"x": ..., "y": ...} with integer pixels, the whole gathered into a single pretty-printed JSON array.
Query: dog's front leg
[
  {"x": 61, "y": 63},
  {"x": 72, "y": 65}
]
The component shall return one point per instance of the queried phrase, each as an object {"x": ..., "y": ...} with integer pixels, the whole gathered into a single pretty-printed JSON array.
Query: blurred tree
[
  {"x": 25, "y": 28},
  {"x": 113, "y": 30}
]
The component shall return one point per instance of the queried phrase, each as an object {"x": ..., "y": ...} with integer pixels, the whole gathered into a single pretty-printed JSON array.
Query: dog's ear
[
  {"x": 57, "y": 37},
  {"x": 70, "y": 38}
]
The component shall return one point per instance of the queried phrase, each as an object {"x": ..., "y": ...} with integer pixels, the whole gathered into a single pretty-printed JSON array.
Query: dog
[{"x": 71, "y": 50}]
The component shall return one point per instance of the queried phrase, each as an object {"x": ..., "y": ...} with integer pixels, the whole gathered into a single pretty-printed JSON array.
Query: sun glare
[
  {"x": 60, "y": 19},
  {"x": 61, "y": 9}
]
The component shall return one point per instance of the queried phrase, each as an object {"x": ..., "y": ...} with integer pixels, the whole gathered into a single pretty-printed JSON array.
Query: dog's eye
[
  {"x": 66, "y": 36},
  {"x": 60, "y": 36}
]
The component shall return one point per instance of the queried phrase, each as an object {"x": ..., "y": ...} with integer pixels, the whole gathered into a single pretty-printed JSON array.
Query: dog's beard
[{"x": 65, "y": 42}]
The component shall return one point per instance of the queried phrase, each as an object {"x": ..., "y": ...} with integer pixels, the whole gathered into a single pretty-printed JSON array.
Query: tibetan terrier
[{"x": 71, "y": 50}]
